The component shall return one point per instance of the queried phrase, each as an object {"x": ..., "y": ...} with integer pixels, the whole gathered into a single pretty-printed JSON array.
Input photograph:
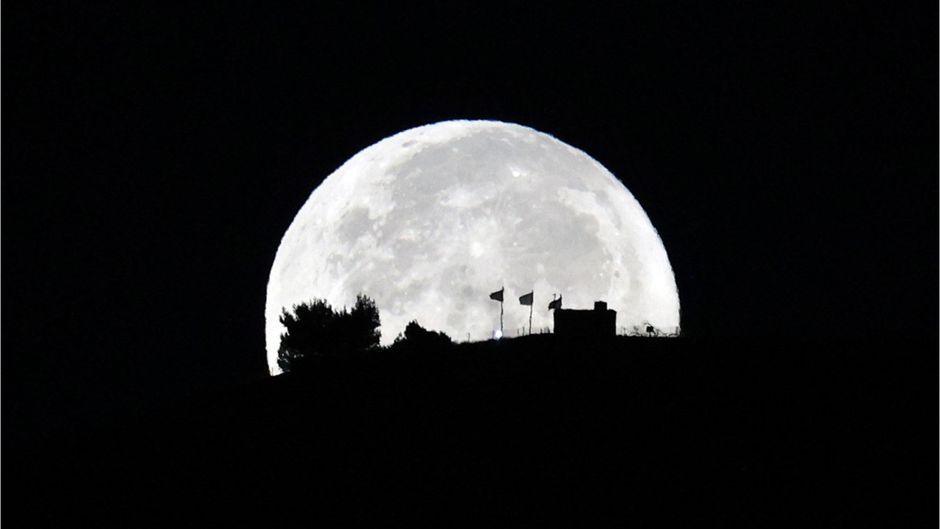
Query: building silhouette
[{"x": 599, "y": 322}]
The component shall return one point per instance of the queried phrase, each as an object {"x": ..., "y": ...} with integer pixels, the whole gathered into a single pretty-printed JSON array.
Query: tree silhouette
[
  {"x": 315, "y": 330},
  {"x": 364, "y": 324}
]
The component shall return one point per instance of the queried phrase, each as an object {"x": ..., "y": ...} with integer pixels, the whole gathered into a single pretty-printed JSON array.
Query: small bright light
[{"x": 497, "y": 334}]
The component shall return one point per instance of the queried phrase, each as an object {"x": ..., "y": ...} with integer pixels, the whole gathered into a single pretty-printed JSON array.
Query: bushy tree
[{"x": 314, "y": 329}]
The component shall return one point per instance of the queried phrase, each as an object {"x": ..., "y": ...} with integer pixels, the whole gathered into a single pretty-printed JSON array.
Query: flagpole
[
  {"x": 500, "y": 317},
  {"x": 498, "y": 296},
  {"x": 530, "y": 316}
]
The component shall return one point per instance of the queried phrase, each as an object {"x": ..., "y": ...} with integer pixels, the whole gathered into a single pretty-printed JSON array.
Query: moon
[{"x": 431, "y": 220}]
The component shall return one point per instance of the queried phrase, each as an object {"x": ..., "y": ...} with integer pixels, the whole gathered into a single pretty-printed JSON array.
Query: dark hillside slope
[{"x": 529, "y": 429}]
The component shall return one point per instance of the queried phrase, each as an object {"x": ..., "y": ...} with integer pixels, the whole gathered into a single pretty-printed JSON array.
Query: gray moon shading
[{"x": 431, "y": 220}]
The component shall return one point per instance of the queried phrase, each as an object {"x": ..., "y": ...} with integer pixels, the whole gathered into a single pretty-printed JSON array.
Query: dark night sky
[{"x": 153, "y": 158}]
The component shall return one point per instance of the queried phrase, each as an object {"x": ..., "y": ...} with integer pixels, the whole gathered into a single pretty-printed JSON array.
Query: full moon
[{"x": 430, "y": 221}]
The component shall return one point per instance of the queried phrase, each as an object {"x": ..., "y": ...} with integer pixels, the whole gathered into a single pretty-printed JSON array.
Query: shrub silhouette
[
  {"x": 417, "y": 337},
  {"x": 315, "y": 330}
]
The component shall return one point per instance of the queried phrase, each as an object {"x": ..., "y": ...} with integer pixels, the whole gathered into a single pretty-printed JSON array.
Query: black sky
[{"x": 153, "y": 157}]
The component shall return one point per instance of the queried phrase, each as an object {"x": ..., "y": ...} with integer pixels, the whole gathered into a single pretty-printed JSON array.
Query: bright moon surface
[{"x": 431, "y": 220}]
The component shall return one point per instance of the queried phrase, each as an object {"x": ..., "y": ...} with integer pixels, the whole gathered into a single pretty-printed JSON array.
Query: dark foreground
[{"x": 525, "y": 431}]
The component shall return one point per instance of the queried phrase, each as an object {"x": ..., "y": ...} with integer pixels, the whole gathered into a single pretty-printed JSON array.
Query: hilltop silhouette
[
  {"x": 526, "y": 430},
  {"x": 582, "y": 426}
]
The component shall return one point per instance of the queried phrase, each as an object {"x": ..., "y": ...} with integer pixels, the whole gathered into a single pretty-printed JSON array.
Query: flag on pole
[
  {"x": 526, "y": 299},
  {"x": 555, "y": 304},
  {"x": 498, "y": 296}
]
